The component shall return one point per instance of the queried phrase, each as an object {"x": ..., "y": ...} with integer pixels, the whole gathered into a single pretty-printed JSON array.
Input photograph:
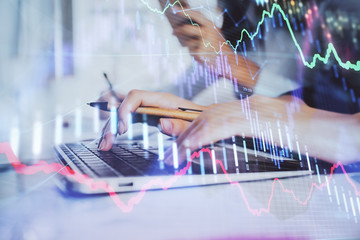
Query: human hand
[
  {"x": 201, "y": 36},
  {"x": 137, "y": 98},
  {"x": 288, "y": 121},
  {"x": 246, "y": 118},
  {"x": 108, "y": 96},
  {"x": 203, "y": 39}
]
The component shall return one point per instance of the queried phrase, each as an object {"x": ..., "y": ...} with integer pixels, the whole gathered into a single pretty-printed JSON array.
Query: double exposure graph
[{"x": 42, "y": 166}]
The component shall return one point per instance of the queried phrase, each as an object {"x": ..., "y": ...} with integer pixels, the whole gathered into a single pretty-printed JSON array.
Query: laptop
[{"x": 131, "y": 165}]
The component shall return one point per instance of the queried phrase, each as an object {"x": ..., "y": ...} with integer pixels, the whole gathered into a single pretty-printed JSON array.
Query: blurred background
[{"x": 54, "y": 53}]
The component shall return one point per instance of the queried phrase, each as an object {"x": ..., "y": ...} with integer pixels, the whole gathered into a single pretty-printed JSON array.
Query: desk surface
[{"x": 33, "y": 207}]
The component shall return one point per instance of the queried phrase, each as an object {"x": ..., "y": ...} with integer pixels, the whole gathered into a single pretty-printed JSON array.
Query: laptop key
[
  {"x": 121, "y": 166},
  {"x": 126, "y": 170},
  {"x": 122, "y": 160},
  {"x": 104, "y": 172}
]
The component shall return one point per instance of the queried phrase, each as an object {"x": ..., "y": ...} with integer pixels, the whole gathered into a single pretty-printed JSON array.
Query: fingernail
[{"x": 166, "y": 125}]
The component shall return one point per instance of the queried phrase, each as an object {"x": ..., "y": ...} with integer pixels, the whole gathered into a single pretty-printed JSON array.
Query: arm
[
  {"x": 329, "y": 136},
  {"x": 203, "y": 40}
]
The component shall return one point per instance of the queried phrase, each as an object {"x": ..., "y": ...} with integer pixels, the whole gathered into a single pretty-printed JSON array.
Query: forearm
[
  {"x": 325, "y": 135},
  {"x": 332, "y": 137},
  {"x": 288, "y": 122}
]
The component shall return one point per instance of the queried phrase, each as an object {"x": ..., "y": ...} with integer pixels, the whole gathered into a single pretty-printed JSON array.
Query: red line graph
[{"x": 42, "y": 166}]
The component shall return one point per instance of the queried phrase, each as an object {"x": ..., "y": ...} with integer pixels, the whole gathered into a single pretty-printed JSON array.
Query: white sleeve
[
  {"x": 272, "y": 84},
  {"x": 279, "y": 64}
]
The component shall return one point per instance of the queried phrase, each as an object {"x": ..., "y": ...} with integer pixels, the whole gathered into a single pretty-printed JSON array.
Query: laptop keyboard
[
  {"x": 121, "y": 160},
  {"x": 133, "y": 160}
]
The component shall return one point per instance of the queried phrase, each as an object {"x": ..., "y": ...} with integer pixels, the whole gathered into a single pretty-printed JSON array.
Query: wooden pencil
[{"x": 188, "y": 115}]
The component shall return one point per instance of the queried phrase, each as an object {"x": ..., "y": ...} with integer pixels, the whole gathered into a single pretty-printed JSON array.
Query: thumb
[{"x": 173, "y": 127}]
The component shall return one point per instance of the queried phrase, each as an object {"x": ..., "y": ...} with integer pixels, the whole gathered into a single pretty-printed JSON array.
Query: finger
[
  {"x": 169, "y": 154},
  {"x": 137, "y": 98},
  {"x": 211, "y": 130},
  {"x": 173, "y": 127},
  {"x": 189, "y": 43},
  {"x": 190, "y": 18},
  {"x": 208, "y": 129},
  {"x": 189, "y": 36},
  {"x": 199, "y": 137},
  {"x": 187, "y": 31},
  {"x": 107, "y": 96},
  {"x": 180, "y": 152},
  {"x": 193, "y": 32},
  {"x": 107, "y": 139},
  {"x": 103, "y": 115}
]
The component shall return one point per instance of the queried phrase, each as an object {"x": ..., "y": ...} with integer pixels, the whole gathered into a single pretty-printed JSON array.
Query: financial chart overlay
[
  {"x": 228, "y": 91},
  {"x": 127, "y": 207}
]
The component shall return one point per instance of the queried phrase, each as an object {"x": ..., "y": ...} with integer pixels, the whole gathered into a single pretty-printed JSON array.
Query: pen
[
  {"x": 111, "y": 88},
  {"x": 181, "y": 113}
]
